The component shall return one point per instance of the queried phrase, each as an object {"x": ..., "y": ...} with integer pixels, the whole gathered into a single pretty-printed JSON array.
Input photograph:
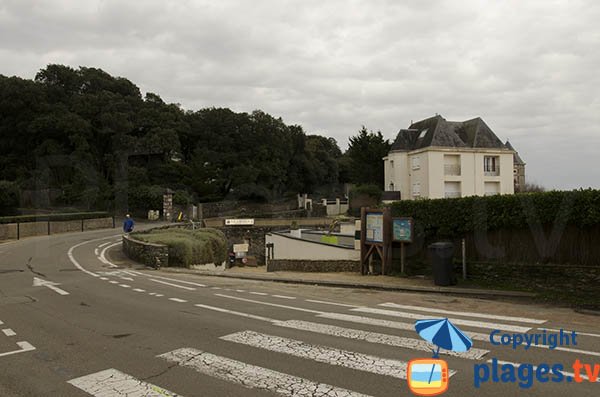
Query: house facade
[{"x": 436, "y": 158}]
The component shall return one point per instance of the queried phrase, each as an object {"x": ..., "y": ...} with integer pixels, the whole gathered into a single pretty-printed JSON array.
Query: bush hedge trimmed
[
  {"x": 457, "y": 217},
  {"x": 74, "y": 216},
  {"x": 189, "y": 247}
]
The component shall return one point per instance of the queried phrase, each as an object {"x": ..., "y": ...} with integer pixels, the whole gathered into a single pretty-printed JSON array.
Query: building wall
[
  {"x": 285, "y": 247},
  {"x": 431, "y": 173}
]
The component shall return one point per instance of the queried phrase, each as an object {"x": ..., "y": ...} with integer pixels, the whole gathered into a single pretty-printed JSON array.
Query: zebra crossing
[{"x": 113, "y": 382}]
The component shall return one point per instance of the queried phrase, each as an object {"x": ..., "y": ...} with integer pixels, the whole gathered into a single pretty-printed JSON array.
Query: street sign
[
  {"x": 239, "y": 222},
  {"x": 240, "y": 248},
  {"x": 374, "y": 229},
  {"x": 402, "y": 229}
]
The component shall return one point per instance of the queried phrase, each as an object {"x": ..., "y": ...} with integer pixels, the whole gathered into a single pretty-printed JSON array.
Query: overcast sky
[{"x": 530, "y": 69}]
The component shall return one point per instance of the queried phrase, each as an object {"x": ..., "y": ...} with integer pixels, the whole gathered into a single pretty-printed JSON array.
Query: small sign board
[
  {"x": 374, "y": 227},
  {"x": 240, "y": 248},
  {"x": 239, "y": 222},
  {"x": 402, "y": 229}
]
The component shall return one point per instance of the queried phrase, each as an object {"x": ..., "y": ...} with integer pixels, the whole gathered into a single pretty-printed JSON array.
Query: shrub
[
  {"x": 9, "y": 198},
  {"x": 189, "y": 247}
]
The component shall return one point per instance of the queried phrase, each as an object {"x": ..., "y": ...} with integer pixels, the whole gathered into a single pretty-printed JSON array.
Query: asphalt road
[{"x": 74, "y": 325}]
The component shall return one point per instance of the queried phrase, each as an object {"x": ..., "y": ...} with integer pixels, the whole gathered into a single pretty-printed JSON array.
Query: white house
[{"x": 436, "y": 158}]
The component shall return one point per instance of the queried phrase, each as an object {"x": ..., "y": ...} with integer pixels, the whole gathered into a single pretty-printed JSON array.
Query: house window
[
  {"x": 391, "y": 189},
  {"x": 416, "y": 189},
  {"x": 491, "y": 165},
  {"x": 416, "y": 163},
  {"x": 452, "y": 164},
  {"x": 492, "y": 188},
  {"x": 452, "y": 189}
]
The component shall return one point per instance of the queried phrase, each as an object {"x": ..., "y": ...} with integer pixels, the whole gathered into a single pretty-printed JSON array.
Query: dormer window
[{"x": 422, "y": 133}]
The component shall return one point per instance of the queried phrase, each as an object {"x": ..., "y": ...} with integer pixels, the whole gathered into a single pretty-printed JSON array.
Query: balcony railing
[
  {"x": 492, "y": 173},
  {"x": 452, "y": 169},
  {"x": 452, "y": 194}
]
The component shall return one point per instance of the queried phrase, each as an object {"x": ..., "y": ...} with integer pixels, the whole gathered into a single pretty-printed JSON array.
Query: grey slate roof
[
  {"x": 437, "y": 131},
  {"x": 517, "y": 159}
]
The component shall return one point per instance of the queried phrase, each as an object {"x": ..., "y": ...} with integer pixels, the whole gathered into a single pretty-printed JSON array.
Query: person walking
[{"x": 128, "y": 224}]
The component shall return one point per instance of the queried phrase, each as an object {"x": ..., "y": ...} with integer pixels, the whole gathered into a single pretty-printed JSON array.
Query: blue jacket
[{"x": 128, "y": 225}]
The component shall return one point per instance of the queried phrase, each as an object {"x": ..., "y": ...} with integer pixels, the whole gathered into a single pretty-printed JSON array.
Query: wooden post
[
  {"x": 364, "y": 267},
  {"x": 464, "y": 259},
  {"x": 18, "y": 230},
  {"x": 402, "y": 258}
]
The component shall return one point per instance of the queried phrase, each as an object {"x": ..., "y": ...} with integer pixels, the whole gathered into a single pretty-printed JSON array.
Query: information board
[
  {"x": 374, "y": 227},
  {"x": 402, "y": 229}
]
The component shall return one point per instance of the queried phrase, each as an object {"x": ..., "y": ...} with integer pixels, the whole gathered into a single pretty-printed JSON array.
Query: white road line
[
  {"x": 139, "y": 290},
  {"x": 126, "y": 278},
  {"x": 251, "y": 376},
  {"x": 1, "y": 322},
  {"x": 258, "y": 293},
  {"x": 535, "y": 368},
  {"x": 330, "y": 303},
  {"x": 216, "y": 288},
  {"x": 124, "y": 285},
  {"x": 24, "y": 347},
  {"x": 457, "y": 321},
  {"x": 111, "y": 382},
  {"x": 104, "y": 244},
  {"x": 240, "y": 290},
  {"x": 464, "y": 314},
  {"x": 173, "y": 285},
  {"x": 247, "y": 315},
  {"x": 135, "y": 273},
  {"x": 96, "y": 252},
  {"x": 104, "y": 278},
  {"x": 159, "y": 295},
  {"x": 9, "y": 332},
  {"x": 283, "y": 297},
  {"x": 102, "y": 256},
  {"x": 578, "y": 333},
  {"x": 375, "y": 337},
  {"x": 178, "y": 300},
  {"x": 77, "y": 264},
  {"x": 179, "y": 281},
  {"x": 390, "y": 324},
  {"x": 113, "y": 282},
  {"x": 269, "y": 304},
  {"x": 322, "y": 354},
  {"x": 38, "y": 282}
]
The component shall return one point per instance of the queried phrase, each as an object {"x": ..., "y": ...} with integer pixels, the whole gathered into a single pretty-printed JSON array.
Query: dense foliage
[
  {"x": 189, "y": 247},
  {"x": 457, "y": 217},
  {"x": 365, "y": 157},
  {"x": 96, "y": 142}
]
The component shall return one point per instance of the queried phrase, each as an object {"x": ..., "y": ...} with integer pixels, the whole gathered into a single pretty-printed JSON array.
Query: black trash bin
[{"x": 441, "y": 255}]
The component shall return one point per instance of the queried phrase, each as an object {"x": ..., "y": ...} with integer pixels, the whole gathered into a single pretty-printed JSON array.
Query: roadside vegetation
[{"x": 189, "y": 247}]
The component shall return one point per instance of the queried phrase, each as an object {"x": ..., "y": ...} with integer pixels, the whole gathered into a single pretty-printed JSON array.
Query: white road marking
[
  {"x": 159, "y": 295},
  {"x": 96, "y": 252},
  {"x": 240, "y": 290},
  {"x": 124, "y": 285},
  {"x": 179, "y": 281},
  {"x": 247, "y": 315},
  {"x": 330, "y": 303},
  {"x": 103, "y": 278},
  {"x": 283, "y": 296},
  {"x": 375, "y": 337},
  {"x": 578, "y": 333},
  {"x": 535, "y": 368},
  {"x": 77, "y": 264},
  {"x": 178, "y": 300},
  {"x": 390, "y": 324},
  {"x": 38, "y": 282},
  {"x": 113, "y": 282},
  {"x": 126, "y": 278},
  {"x": 464, "y": 314},
  {"x": 322, "y": 354},
  {"x": 102, "y": 256},
  {"x": 24, "y": 347},
  {"x": 258, "y": 293},
  {"x": 216, "y": 288},
  {"x": 139, "y": 290},
  {"x": 173, "y": 285},
  {"x": 104, "y": 244},
  {"x": 9, "y": 332},
  {"x": 251, "y": 376},
  {"x": 1, "y": 322},
  {"x": 115, "y": 383},
  {"x": 269, "y": 304},
  {"x": 457, "y": 321},
  {"x": 135, "y": 273}
]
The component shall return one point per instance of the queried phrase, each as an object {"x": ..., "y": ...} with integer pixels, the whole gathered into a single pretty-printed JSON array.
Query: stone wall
[
  {"x": 14, "y": 231},
  {"x": 149, "y": 254},
  {"x": 300, "y": 265},
  {"x": 8, "y": 231}
]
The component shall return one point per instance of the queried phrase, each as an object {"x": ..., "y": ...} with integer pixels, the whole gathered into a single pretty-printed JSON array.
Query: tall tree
[{"x": 365, "y": 157}]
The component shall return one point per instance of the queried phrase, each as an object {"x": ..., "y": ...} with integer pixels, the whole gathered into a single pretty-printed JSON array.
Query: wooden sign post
[{"x": 375, "y": 237}]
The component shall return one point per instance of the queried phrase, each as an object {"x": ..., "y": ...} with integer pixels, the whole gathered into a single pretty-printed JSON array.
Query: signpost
[
  {"x": 375, "y": 237},
  {"x": 402, "y": 229},
  {"x": 239, "y": 222}
]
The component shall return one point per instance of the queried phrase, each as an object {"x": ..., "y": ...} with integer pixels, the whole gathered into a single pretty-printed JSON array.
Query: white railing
[
  {"x": 492, "y": 173},
  {"x": 452, "y": 169}
]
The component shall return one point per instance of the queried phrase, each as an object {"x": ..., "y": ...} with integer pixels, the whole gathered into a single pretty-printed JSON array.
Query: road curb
[{"x": 369, "y": 286}]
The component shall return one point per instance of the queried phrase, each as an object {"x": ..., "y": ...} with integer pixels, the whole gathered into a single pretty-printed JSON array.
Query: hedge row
[
  {"x": 189, "y": 247},
  {"x": 74, "y": 216},
  {"x": 457, "y": 217}
]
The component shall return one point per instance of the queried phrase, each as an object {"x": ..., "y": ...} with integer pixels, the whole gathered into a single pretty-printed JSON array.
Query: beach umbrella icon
[{"x": 442, "y": 333}]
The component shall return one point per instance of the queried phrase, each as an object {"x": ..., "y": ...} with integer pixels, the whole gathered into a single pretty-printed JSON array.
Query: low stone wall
[
  {"x": 149, "y": 254},
  {"x": 301, "y": 265},
  {"x": 14, "y": 231},
  {"x": 98, "y": 223},
  {"x": 31, "y": 229}
]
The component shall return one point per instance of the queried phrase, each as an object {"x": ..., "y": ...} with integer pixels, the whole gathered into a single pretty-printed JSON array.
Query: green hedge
[
  {"x": 457, "y": 217},
  {"x": 74, "y": 216},
  {"x": 189, "y": 247}
]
